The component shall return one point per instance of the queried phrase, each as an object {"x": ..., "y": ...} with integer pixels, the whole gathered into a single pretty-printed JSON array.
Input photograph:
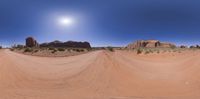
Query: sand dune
[{"x": 100, "y": 75}]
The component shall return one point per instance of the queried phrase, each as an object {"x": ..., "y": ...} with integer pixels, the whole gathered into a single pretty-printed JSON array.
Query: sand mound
[{"x": 99, "y": 75}]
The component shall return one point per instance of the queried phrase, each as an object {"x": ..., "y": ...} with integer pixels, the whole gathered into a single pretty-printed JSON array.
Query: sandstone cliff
[{"x": 150, "y": 44}]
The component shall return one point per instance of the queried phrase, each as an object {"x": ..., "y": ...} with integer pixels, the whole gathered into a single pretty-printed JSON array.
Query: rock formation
[
  {"x": 31, "y": 42},
  {"x": 197, "y": 46},
  {"x": 167, "y": 45},
  {"x": 192, "y": 46},
  {"x": 72, "y": 44},
  {"x": 183, "y": 46},
  {"x": 150, "y": 44}
]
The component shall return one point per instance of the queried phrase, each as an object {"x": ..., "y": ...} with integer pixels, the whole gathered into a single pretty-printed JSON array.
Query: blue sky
[{"x": 101, "y": 22}]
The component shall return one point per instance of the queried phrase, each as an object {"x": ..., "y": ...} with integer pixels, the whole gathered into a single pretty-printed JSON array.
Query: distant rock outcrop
[
  {"x": 183, "y": 46},
  {"x": 72, "y": 44},
  {"x": 167, "y": 45},
  {"x": 150, "y": 44},
  {"x": 197, "y": 46},
  {"x": 31, "y": 42},
  {"x": 192, "y": 46}
]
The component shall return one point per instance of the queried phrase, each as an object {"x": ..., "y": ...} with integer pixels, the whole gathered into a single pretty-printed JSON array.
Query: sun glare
[{"x": 66, "y": 21}]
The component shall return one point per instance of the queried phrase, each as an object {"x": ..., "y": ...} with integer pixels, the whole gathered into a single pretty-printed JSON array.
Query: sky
[{"x": 100, "y": 22}]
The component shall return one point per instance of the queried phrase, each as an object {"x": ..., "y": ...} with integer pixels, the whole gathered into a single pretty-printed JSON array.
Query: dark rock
[
  {"x": 192, "y": 46},
  {"x": 183, "y": 46},
  {"x": 70, "y": 44},
  {"x": 197, "y": 46},
  {"x": 31, "y": 42}
]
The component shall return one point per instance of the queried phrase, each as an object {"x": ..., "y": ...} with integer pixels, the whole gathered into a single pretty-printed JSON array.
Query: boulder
[
  {"x": 31, "y": 42},
  {"x": 149, "y": 44}
]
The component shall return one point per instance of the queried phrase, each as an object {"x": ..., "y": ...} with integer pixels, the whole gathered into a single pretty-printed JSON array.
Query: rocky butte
[
  {"x": 150, "y": 44},
  {"x": 31, "y": 42},
  {"x": 71, "y": 44}
]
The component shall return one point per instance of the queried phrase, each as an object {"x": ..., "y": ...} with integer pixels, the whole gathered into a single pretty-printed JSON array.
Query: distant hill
[
  {"x": 31, "y": 42},
  {"x": 73, "y": 44}
]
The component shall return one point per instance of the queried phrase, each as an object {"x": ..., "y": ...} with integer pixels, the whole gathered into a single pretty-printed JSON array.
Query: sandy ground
[
  {"x": 100, "y": 75},
  {"x": 48, "y": 53}
]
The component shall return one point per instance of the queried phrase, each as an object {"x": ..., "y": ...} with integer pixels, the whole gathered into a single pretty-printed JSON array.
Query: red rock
[
  {"x": 31, "y": 42},
  {"x": 149, "y": 44}
]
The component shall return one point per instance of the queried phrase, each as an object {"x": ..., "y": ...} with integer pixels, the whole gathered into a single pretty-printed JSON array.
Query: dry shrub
[{"x": 28, "y": 50}]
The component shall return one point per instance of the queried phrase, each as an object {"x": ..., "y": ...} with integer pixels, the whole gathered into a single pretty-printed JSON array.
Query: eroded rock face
[
  {"x": 72, "y": 44},
  {"x": 31, "y": 42},
  {"x": 167, "y": 45},
  {"x": 150, "y": 44}
]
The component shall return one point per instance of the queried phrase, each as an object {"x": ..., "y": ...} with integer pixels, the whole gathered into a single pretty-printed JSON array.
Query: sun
[{"x": 66, "y": 21}]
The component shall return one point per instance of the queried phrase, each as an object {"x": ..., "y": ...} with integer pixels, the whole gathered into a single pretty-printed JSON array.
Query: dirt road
[{"x": 100, "y": 75}]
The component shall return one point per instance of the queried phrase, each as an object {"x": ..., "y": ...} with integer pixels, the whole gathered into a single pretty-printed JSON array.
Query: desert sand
[{"x": 100, "y": 75}]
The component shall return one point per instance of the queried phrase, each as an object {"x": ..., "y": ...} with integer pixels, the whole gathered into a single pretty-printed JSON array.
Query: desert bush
[
  {"x": 147, "y": 52},
  {"x": 12, "y": 49},
  {"x": 81, "y": 50},
  {"x": 151, "y": 51},
  {"x": 51, "y": 48},
  {"x": 77, "y": 50},
  {"x": 28, "y": 50},
  {"x": 89, "y": 49},
  {"x": 69, "y": 50},
  {"x": 73, "y": 49},
  {"x": 103, "y": 48},
  {"x": 139, "y": 51},
  {"x": 36, "y": 50},
  {"x": 110, "y": 49},
  {"x": 61, "y": 49},
  {"x": 54, "y": 51},
  {"x": 20, "y": 46},
  {"x": 158, "y": 51},
  {"x": 85, "y": 50}
]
